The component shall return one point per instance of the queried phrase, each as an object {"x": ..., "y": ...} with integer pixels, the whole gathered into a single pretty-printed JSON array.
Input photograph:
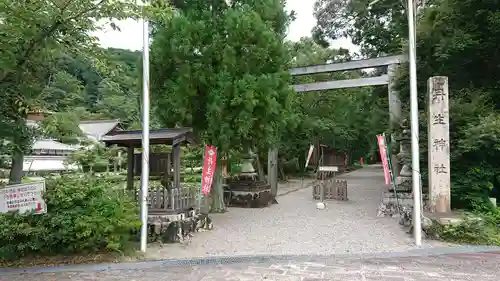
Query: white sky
[{"x": 130, "y": 36}]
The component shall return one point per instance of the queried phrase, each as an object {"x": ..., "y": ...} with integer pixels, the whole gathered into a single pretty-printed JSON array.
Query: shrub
[
  {"x": 480, "y": 228},
  {"x": 85, "y": 214}
]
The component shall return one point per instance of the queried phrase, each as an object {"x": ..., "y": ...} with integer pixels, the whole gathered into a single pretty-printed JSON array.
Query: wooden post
[
  {"x": 167, "y": 172},
  {"x": 322, "y": 187},
  {"x": 439, "y": 145},
  {"x": 176, "y": 154},
  {"x": 130, "y": 168},
  {"x": 272, "y": 171},
  {"x": 176, "y": 151}
]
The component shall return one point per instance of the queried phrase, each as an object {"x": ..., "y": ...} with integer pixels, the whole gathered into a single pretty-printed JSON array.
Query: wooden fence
[
  {"x": 332, "y": 190},
  {"x": 177, "y": 200},
  {"x": 327, "y": 187}
]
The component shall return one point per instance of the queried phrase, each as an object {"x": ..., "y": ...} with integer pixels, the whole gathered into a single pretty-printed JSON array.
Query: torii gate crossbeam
[{"x": 350, "y": 65}]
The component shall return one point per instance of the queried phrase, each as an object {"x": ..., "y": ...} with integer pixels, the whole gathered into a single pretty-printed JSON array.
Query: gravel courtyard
[{"x": 295, "y": 226}]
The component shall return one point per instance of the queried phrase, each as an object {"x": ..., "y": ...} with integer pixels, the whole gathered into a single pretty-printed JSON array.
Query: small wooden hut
[{"x": 161, "y": 199}]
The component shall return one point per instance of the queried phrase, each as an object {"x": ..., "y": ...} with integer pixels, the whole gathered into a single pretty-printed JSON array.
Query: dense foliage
[
  {"x": 37, "y": 39},
  {"x": 97, "y": 158},
  {"x": 457, "y": 39},
  {"x": 112, "y": 93},
  {"x": 86, "y": 214},
  {"x": 468, "y": 55},
  {"x": 221, "y": 69},
  {"x": 379, "y": 28},
  {"x": 481, "y": 228}
]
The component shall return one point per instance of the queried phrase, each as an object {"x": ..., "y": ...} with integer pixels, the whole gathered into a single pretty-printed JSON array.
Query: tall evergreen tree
[{"x": 222, "y": 69}]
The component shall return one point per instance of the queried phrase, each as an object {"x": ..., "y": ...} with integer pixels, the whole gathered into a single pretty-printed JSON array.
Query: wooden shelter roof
[{"x": 133, "y": 138}]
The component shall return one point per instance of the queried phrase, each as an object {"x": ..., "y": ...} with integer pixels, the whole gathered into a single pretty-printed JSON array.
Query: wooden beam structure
[
  {"x": 350, "y": 65},
  {"x": 340, "y": 84}
]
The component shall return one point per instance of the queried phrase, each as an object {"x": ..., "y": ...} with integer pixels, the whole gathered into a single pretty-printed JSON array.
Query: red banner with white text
[
  {"x": 207, "y": 176},
  {"x": 383, "y": 156}
]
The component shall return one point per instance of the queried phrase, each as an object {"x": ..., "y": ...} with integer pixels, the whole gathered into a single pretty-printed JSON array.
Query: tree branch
[{"x": 28, "y": 52}]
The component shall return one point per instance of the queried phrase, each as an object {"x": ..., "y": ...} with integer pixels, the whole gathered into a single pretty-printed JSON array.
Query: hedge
[{"x": 85, "y": 214}]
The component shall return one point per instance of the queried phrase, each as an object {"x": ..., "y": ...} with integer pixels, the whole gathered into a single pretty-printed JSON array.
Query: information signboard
[{"x": 26, "y": 197}]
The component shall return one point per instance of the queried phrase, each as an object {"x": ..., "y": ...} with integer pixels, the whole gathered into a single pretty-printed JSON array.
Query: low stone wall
[
  {"x": 406, "y": 220},
  {"x": 248, "y": 195},
  {"x": 400, "y": 204},
  {"x": 392, "y": 204},
  {"x": 178, "y": 227},
  {"x": 249, "y": 199}
]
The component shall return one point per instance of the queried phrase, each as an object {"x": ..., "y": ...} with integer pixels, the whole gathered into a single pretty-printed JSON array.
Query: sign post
[
  {"x": 26, "y": 197},
  {"x": 309, "y": 154},
  {"x": 439, "y": 145}
]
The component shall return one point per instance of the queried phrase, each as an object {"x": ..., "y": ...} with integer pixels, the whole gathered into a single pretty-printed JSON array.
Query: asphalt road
[{"x": 457, "y": 264}]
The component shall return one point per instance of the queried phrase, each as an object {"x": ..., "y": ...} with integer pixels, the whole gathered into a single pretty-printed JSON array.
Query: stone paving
[
  {"x": 450, "y": 267},
  {"x": 295, "y": 226}
]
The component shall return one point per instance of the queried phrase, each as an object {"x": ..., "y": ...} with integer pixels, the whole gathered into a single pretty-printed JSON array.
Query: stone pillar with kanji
[{"x": 439, "y": 145}]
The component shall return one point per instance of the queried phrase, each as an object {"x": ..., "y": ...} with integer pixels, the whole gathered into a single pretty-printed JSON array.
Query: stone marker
[{"x": 439, "y": 145}]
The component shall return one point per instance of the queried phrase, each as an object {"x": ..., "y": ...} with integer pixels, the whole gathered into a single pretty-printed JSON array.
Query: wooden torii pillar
[{"x": 272, "y": 171}]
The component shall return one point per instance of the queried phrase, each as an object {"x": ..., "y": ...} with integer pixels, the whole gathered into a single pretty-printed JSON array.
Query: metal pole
[
  {"x": 415, "y": 150},
  {"x": 145, "y": 135}
]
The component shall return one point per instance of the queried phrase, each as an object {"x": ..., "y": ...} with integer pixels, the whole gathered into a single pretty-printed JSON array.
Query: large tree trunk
[
  {"x": 217, "y": 193},
  {"x": 22, "y": 139},
  {"x": 16, "y": 170}
]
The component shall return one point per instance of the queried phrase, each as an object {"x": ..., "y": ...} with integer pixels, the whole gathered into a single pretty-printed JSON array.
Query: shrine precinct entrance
[{"x": 385, "y": 79}]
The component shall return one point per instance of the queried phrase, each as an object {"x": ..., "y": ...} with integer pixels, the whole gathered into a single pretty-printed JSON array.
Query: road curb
[{"x": 251, "y": 259}]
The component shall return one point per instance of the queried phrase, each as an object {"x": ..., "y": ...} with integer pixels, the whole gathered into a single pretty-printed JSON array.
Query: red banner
[
  {"x": 383, "y": 156},
  {"x": 207, "y": 175}
]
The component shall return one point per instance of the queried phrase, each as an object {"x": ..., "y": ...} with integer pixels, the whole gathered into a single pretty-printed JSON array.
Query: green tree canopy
[
  {"x": 35, "y": 35},
  {"x": 222, "y": 70},
  {"x": 378, "y": 29}
]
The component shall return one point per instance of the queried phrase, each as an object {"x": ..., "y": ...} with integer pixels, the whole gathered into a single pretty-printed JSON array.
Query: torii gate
[{"x": 385, "y": 79}]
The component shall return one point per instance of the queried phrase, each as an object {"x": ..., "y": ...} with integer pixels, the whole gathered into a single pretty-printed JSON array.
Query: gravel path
[{"x": 295, "y": 226}]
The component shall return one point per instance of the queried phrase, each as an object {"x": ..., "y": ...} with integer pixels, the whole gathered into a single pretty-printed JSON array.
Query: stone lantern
[{"x": 247, "y": 168}]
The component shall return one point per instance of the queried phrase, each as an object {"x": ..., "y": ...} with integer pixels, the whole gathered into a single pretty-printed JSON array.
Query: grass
[
  {"x": 28, "y": 180},
  {"x": 59, "y": 260}
]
